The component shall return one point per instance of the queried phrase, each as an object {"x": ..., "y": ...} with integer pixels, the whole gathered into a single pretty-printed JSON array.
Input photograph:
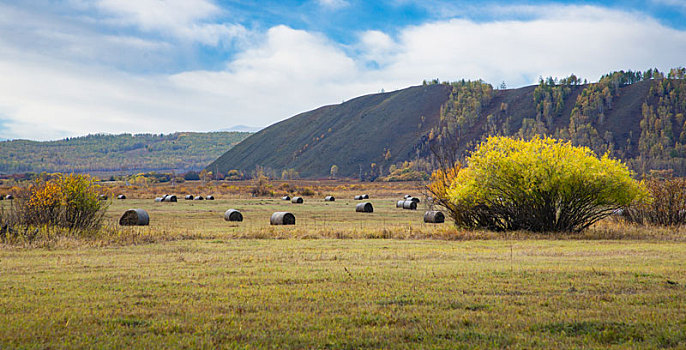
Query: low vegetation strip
[{"x": 346, "y": 294}]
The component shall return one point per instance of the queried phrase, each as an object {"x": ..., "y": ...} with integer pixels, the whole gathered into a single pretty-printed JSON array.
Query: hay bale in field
[
  {"x": 329, "y": 199},
  {"x": 102, "y": 197},
  {"x": 411, "y": 205},
  {"x": 9, "y": 196},
  {"x": 188, "y": 197},
  {"x": 358, "y": 198},
  {"x": 414, "y": 199},
  {"x": 282, "y": 218},
  {"x": 233, "y": 215},
  {"x": 364, "y": 207},
  {"x": 121, "y": 196},
  {"x": 169, "y": 198},
  {"x": 210, "y": 198},
  {"x": 365, "y": 196},
  {"x": 399, "y": 204},
  {"x": 199, "y": 198},
  {"x": 158, "y": 199},
  {"x": 434, "y": 217},
  {"x": 286, "y": 198},
  {"x": 297, "y": 200},
  {"x": 134, "y": 217}
]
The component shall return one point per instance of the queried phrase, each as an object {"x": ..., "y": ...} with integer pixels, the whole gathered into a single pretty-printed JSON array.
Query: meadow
[{"x": 338, "y": 279}]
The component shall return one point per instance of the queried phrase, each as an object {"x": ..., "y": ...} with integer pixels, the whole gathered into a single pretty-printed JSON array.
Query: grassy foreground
[{"x": 344, "y": 293}]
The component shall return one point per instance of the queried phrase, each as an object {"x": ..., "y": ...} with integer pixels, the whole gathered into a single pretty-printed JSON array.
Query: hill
[
  {"x": 123, "y": 153},
  {"x": 636, "y": 116},
  {"x": 378, "y": 128}
]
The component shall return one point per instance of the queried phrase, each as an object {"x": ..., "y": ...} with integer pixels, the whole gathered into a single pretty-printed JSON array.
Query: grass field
[{"x": 326, "y": 284}]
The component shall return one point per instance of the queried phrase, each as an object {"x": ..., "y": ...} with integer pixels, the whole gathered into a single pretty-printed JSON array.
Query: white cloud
[
  {"x": 285, "y": 71},
  {"x": 185, "y": 19}
]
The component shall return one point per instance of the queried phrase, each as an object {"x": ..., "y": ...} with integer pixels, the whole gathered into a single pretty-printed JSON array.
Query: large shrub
[
  {"x": 542, "y": 185},
  {"x": 67, "y": 201}
]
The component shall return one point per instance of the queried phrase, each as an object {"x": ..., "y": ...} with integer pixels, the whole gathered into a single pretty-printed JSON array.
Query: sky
[{"x": 77, "y": 67}]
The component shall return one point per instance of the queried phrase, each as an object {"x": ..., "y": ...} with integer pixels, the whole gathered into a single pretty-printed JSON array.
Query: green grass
[{"x": 346, "y": 294}]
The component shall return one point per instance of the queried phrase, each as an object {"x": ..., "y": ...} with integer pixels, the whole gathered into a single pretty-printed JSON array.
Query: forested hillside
[
  {"x": 636, "y": 116},
  {"x": 123, "y": 153}
]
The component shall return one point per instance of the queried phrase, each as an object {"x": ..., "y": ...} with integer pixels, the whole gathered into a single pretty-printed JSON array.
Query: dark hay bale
[
  {"x": 411, "y": 205},
  {"x": 134, "y": 217},
  {"x": 189, "y": 197},
  {"x": 282, "y": 218},
  {"x": 199, "y": 198},
  {"x": 365, "y": 207},
  {"x": 9, "y": 196},
  {"x": 297, "y": 200},
  {"x": 399, "y": 204},
  {"x": 121, "y": 196},
  {"x": 102, "y": 197},
  {"x": 434, "y": 217},
  {"x": 286, "y": 198},
  {"x": 210, "y": 198},
  {"x": 414, "y": 199},
  {"x": 233, "y": 215},
  {"x": 329, "y": 199},
  {"x": 169, "y": 198},
  {"x": 365, "y": 196}
]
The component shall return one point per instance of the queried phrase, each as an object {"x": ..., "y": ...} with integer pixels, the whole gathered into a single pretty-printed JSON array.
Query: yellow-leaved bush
[
  {"x": 542, "y": 185},
  {"x": 68, "y": 201}
]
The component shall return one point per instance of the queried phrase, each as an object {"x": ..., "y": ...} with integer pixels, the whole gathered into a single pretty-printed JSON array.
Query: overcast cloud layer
[{"x": 156, "y": 66}]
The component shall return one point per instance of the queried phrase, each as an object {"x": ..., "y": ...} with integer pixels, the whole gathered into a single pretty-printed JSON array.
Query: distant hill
[
  {"x": 636, "y": 116},
  {"x": 243, "y": 128},
  {"x": 123, "y": 153},
  {"x": 350, "y": 135}
]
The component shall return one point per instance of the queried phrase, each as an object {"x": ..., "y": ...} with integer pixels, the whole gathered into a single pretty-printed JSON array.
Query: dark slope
[{"x": 352, "y": 134}]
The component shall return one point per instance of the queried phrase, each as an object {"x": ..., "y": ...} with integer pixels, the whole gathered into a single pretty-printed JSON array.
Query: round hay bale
[
  {"x": 399, "y": 204},
  {"x": 121, "y": 196},
  {"x": 9, "y": 196},
  {"x": 210, "y": 198},
  {"x": 411, "y": 205},
  {"x": 329, "y": 199},
  {"x": 158, "y": 199},
  {"x": 286, "y": 198},
  {"x": 134, "y": 217},
  {"x": 198, "y": 198},
  {"x": 414, "y": 199},
  {"x": 282, "y": 218},
  {"x": 233, "y": 215},
  {"x": 297, "y": 200},
  {"x": 358, "y": 198},
  {"x": 102, "y": 197},
  {"x": 169, "y": 198},
  {"x": 434, "y": 217},
  {"x": 364, "y": 207},
  {"x": 188, "y": 197},
  {"x": 365, "y": 196}
]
